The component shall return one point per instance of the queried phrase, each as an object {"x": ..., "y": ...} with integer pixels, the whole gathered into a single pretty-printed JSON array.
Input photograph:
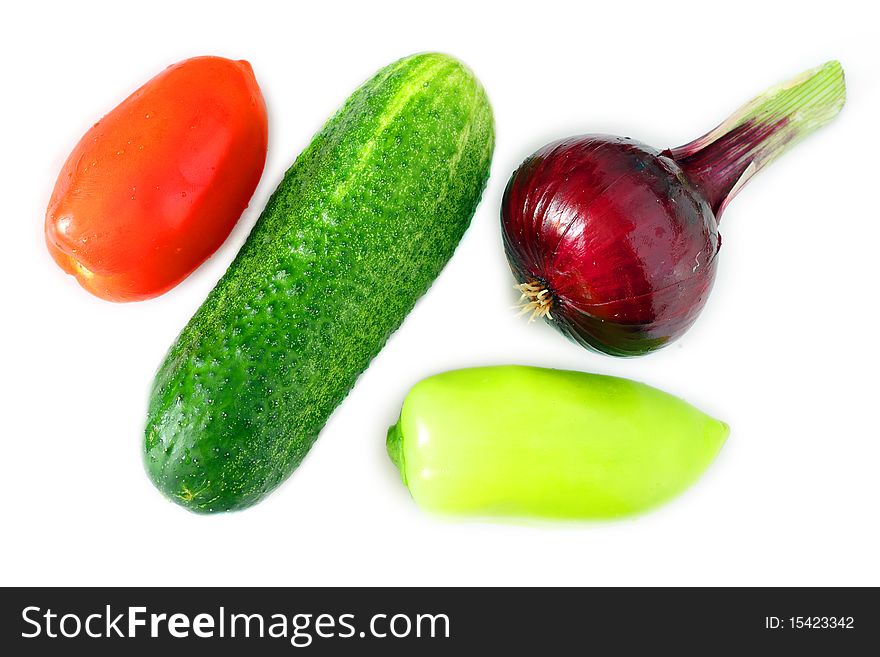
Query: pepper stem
[
  {"x": 720, "y": 162},
  {"x": 394, "y": 446},
  {"x": 537, "y": 298}
]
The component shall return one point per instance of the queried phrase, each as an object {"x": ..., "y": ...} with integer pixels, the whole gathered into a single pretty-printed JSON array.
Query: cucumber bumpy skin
[{"x": 356, "y": 232}]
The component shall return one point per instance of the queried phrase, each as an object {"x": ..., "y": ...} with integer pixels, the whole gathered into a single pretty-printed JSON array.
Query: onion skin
[
  {"x": 615, "y": 243},
  {"x": 613, "y": 230}
]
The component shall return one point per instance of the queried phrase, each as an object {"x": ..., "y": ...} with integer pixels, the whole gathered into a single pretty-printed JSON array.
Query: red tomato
[{"x": 155, "y": 187}]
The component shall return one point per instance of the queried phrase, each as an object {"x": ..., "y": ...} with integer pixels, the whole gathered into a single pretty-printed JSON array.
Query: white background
[{"x": 785, "y": 351}]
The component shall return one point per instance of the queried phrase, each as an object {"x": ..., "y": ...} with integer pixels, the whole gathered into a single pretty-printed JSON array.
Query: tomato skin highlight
[{"x": 156, "y": 186}]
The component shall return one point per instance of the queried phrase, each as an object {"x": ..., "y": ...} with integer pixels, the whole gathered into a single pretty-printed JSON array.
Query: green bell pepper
[{"x": 527, "y": 441}]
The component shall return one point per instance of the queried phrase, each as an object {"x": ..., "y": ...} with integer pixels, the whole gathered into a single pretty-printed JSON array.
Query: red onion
[{"x": 615, "y": 242}]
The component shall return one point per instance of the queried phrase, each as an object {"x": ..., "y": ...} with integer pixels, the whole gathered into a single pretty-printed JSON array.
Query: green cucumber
[{"x": 356, "y": 232}]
